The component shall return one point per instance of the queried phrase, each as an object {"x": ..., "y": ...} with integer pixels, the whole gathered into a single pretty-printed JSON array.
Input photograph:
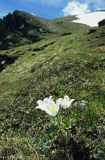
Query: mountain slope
[
  {"x": 73, "y": 64},
  {"x": 21, "y": 28},
  {"x": 65, "y": 25}
]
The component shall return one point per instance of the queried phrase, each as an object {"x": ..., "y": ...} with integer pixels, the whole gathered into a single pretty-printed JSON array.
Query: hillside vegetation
[
  {"x": 72, "y": 63},
  {"x": 20, "y": 28}
]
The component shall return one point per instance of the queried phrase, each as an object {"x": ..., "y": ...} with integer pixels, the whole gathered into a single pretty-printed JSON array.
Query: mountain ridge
[{"x": 21, "y": 28}]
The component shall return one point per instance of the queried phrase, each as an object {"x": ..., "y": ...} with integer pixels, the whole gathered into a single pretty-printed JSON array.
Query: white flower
[
  {"x": 65, "y": 102},
  {"x": 81, "y": 103},
  {"x": 49, "y": 106}
]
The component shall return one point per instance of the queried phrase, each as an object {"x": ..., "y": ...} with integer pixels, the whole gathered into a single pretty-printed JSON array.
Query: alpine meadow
[{"x": 52, "y": 88}]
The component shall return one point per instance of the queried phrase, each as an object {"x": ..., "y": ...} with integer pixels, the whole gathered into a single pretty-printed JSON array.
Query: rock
[
  {"x": 81, "y": 103},
  {"x": 22, "y": 26},
  {"x": 3, "y": 62},
  {"x": 33, "y": 53},
  {"x": 101, "y": 23},
  {"x": 65, "y": 34},
  {"x": 9, "y": 37},
  {"x": 92, "y": 30}
]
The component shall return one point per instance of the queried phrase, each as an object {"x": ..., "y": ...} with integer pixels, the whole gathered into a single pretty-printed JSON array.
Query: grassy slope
[
  {"x": 21, "y": 28},
  {"x": 72, "y": 65},
  {"x": 65, "y": 25}
]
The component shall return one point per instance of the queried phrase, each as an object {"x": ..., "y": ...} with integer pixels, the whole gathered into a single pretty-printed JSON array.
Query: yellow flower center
[{"x": 52, "y": 109}]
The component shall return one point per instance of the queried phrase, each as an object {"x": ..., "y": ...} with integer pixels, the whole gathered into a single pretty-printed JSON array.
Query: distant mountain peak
[{"x": 20, "y": 28}]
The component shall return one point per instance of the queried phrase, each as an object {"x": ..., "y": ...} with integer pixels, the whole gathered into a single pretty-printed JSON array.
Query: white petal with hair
[
  {"x": 49, "y": 106},
  {"x": 65, "y": 102}
]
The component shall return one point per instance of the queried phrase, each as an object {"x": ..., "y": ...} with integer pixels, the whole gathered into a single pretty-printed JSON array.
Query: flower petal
[
  {"x": 71, "y": 101},
  {"x": 40, "y": 102},
  {"x": 66, "y": 98},
  {"x": 49, "y": 106},
  {"x": 59, "y": 101}
]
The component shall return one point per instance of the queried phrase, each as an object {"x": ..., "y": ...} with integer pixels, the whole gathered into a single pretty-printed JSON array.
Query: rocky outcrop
[
  {"x": 6, "y": 60},
  {"x": 21, "y": 28},
  {"x": 101, "y": 23}
]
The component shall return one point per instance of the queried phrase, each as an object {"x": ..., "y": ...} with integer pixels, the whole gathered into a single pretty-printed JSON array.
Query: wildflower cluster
[{"x": 52, "y": 107}]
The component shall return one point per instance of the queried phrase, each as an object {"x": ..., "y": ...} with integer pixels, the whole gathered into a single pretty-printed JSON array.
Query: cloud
[
  {"x": 96, "y": 4},
  {"x": 75, "y": 8}
]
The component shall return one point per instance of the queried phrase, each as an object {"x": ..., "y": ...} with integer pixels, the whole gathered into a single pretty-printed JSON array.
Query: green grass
[{"x": 70, "y": 65}]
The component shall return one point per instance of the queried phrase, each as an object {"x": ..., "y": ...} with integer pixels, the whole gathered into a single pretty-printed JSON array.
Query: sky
[{"x": 51, "y": 9}]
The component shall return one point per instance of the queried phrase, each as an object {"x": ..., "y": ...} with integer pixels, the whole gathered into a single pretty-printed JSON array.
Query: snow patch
[{"x": 90, "y": 19}]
